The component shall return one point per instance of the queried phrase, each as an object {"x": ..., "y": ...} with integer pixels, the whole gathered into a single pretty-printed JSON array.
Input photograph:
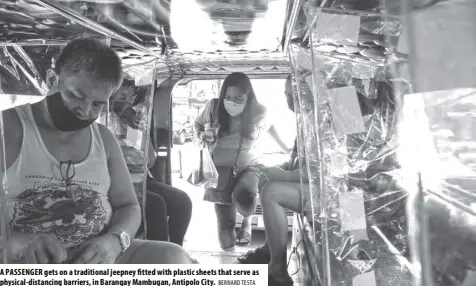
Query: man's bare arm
[{"x": 126, "y": 210}]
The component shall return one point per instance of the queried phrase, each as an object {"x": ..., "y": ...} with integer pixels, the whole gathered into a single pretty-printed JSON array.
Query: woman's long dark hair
[{"x": 252, "y": 109}]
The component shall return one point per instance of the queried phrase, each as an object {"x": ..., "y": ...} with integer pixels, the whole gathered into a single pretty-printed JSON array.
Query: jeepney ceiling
[
  {"x": 184, "y": 25},
  {"x": 198, "y": 37},
  {"x": 180, "y": 36}
]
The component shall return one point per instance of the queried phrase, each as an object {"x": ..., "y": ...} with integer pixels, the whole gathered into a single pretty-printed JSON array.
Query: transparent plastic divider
[{"x": 436, "y": 138}]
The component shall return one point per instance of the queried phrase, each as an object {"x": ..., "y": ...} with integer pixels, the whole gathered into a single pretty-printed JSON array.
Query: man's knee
[
  {"x": 175, "y": 254},
  {"x": 186, "y": 202},
  {"x": 158, "y": 252},
  {"x": 155, "y": 200}
]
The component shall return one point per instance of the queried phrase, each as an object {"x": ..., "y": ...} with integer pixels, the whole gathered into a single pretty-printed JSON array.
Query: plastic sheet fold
[
  {"x": 23, "y": 68},
  {"x": 372, "y": 31},
  {"x": 392, "y": 196}
]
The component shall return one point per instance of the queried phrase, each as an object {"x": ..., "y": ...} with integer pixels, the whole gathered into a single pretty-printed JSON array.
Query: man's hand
[
  {"x": 45, "y": 249},
  {"x": 101, "y": 250}
]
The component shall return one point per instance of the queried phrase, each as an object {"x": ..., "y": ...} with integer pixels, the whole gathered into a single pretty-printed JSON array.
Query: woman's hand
[
  {"x": 101, "y": 250},
  {"x": 45, "y": 249},
  {"x": 207, "y": 136}
]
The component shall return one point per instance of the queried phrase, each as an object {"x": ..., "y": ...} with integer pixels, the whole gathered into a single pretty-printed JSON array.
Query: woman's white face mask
[
  {"x": 234, "y": 108},
  {"x": 235, "y": 101}
]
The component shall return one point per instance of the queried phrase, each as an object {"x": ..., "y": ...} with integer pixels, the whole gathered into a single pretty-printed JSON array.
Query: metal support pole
[
  {"x": 292, "y": 22},
  {"x": 180, "y": 163}
]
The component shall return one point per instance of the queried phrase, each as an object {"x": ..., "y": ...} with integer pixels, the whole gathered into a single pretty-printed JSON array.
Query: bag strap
[
  {"x": 239, "y": 151},
  {"x": 213, "y": 113}
]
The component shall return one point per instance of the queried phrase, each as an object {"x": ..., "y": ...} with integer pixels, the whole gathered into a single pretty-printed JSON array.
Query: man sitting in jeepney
[
  {"x": 71, "y": 196},
  {"x": 282, "y": 191}
]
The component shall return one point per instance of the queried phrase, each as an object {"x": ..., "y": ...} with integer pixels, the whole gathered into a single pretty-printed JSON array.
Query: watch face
[{"x": 126, "y": 240}]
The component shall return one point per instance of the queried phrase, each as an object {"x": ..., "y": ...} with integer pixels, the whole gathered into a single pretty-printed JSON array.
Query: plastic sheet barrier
[
  {"x": 113, "y": 275},
  {"x": 389, "y": 158},
  {"x": 446, "y": 213},
  {"x": 350, "y": 156},
  {"x": 348, "y": 132}
]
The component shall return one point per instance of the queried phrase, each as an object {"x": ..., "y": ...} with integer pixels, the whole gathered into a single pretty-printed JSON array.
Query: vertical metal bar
[
  {"x": 292, "y": 22},
  {"x": 180, "y": 163},
  {"x": 326, "y": 276},
  {"x": 4, "y": 228},
  {"x": 106, "y": 120},
  {"x": 418, "y": 238},
  {"x": 313, "y": 243},
  {"x": 421, "y": 255},
  {"x": 147, "y": 140}
]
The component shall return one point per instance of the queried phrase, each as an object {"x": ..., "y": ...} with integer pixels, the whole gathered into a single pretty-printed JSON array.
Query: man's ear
[{"x": 51, "y": 79}]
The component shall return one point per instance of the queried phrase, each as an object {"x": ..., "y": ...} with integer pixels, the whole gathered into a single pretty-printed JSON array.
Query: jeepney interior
[{"x": 386, "y": 123}]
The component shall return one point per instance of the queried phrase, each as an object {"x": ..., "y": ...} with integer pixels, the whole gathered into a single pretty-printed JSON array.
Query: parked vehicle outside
[{"x": 183, "y": 130}]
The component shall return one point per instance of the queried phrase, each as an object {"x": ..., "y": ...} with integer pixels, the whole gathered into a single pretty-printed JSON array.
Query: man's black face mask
[{"x": 63, "y": 118}]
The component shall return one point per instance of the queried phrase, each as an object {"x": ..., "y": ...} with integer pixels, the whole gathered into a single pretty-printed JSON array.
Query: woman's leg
[
  {"x": 179, "y": 209},
  {"x": 156, "y": 217},
  {"x": 226, "y": 219},
  {"x": 244, "y": 197},
  {"x": 276, "y": 198}
]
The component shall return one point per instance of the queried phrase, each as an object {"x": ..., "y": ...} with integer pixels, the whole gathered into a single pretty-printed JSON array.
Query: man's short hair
[{"x": 92, "y": 57}]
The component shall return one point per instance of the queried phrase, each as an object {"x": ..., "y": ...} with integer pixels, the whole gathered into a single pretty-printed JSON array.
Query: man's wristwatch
[{"x": 124, "y": 239}]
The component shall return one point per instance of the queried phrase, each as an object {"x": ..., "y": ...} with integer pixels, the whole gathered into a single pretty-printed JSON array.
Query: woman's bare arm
[{"x": 202, "y": 119}]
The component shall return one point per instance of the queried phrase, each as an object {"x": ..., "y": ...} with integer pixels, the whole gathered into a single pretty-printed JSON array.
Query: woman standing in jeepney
[{"x": 230, "y": 126}]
